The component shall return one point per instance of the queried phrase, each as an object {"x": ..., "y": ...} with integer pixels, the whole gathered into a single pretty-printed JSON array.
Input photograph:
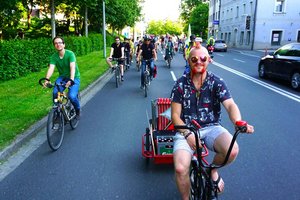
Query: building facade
[{"x": 255, "y": 24}]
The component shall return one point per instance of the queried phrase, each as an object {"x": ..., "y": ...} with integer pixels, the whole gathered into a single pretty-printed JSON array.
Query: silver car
[{"x": 220, "y": 45}]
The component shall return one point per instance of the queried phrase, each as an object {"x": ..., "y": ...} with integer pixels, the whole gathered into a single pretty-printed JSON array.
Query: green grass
[{"x": 23, "y": 101}]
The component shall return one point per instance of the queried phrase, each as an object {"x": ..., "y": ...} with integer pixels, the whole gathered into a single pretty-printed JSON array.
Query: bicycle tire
[
  {"x": 74, "y": 120},
  {"x": 146, "y": 82},
  {"x": 55, "y": 129},
  {"x": 117, "y": 76},
  {"x": 197, "y": 189},
  {"x": 169, "y": 62}
]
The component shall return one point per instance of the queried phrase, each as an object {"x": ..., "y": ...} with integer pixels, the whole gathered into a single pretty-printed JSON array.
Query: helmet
[
  {"x": 198, "y": 39},
  {"x": 147, "y": 37},
  {"x": 192, "y": 37}
]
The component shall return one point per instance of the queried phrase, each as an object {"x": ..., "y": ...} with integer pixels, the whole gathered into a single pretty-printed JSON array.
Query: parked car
[
  {"x": 284, "y": 64},
  {"x": 220, "y": 45}
]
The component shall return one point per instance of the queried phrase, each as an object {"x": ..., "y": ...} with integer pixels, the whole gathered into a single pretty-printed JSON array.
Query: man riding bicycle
[
  {"x": 127, "y": 50},
  {"x": 147, "y": 51},
  {"x": 198, "y": 96},
  {"x": 169, "y": 48},
  {"x": 116, "y": 51},
  {"x": 65, "y": 62}
]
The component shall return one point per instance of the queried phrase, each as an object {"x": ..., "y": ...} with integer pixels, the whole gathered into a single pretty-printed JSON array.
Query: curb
[{"x": 33, "y": 130}]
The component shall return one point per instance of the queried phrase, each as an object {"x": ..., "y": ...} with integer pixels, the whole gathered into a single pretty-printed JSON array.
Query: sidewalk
[{"x": 25, "y": 138}]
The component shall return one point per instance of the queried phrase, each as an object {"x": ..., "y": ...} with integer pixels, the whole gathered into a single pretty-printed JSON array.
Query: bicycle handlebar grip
[
  {"x": 196, "y": 124},
  {"x": 241, "y": 125},
  {"x": 49, "y": 85}
]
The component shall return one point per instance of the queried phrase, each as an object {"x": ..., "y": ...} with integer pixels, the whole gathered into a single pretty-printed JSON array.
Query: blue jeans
[
  {"x": 151, "y": 63},
  {"x": 73, "y": 91}
]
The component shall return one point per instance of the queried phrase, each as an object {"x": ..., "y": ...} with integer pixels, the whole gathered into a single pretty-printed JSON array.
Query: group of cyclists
[{"x": 197, "y": 95}]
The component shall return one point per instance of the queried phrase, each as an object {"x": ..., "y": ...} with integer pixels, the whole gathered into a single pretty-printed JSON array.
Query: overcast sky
[{"x": 161, "y": 9}]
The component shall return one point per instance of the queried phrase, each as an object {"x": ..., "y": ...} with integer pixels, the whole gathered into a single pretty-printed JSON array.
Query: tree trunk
[
  {"x": 86, "y": 21},
  {"x": 53, "y": 31}
]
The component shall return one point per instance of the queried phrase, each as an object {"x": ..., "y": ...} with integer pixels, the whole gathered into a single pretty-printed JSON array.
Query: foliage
[
  {"x": 187, "y": 7},
  {"x": 21, "y": 57},
  {"x": 199, "y": 27},
  {"x": 163, "y": 27},
  {"x": 16, "y": 16}
]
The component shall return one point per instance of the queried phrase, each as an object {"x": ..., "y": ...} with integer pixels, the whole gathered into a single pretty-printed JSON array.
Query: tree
[
  {"x": 199, "y": 20},
  {"x": 162, "y": 27},
  {"x": 187, "y": 7}
]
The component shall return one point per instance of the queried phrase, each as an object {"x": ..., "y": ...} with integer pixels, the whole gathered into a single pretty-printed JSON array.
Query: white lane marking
[
  {"x": 173, "y": 75},
  {"x": 266, "y": 85},
  {"x": 238, "y": 60}
]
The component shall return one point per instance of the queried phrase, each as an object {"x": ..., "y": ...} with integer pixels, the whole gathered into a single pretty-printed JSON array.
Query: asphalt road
[{"x": 102, "y": 158}]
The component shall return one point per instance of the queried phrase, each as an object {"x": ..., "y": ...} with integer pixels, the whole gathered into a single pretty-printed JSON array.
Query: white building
[{"x": 255, "y": 24}]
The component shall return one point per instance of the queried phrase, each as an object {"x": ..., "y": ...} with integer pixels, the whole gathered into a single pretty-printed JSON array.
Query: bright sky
[{"x": 161, "y": 9}]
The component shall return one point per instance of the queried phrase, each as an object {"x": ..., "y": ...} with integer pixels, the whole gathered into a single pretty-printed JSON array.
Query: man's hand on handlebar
[{"x": 244, "y": 127}]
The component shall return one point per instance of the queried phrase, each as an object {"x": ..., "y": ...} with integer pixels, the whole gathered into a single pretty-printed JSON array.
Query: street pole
[{"x": 104, "y": 31}]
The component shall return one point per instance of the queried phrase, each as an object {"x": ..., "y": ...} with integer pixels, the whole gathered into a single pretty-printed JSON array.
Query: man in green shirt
[{"x": 65, "y": 62}]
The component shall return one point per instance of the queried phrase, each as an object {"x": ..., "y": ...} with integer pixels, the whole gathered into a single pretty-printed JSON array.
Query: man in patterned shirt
[{"x": 198, "y": 95}]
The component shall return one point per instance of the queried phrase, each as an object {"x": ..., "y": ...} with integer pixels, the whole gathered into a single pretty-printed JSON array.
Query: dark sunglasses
[{"x": 195, "y": 59}]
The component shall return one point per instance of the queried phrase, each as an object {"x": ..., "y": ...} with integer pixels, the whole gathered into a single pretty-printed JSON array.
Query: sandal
[{"x": 216, "y": 185}]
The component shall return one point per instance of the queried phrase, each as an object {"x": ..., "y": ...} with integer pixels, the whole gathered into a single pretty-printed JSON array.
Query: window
[
  {"x": 298, "y": 36},
  {"x": 279, "y": 6},
  {"x": 276, "y": 37},
  {"x": 248, "y": 38},
  {"x": 237, "y": 12},
  {"x": 242, "y": 38}
]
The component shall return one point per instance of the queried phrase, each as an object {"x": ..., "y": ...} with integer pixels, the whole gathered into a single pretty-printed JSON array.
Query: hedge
[{"x": 20, "y": 57}]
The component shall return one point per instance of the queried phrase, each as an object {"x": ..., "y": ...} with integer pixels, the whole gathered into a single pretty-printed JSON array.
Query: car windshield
[{"x": 220, "y": 41}]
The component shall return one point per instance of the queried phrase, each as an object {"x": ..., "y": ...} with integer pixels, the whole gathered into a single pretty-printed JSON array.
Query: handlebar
[
  {"x": 117, "y": 59},
  {"x": 240, "y": 127},
  {"x": 50, "y": 85}
]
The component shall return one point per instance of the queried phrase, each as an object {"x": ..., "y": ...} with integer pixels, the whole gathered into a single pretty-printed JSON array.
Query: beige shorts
[{"x": 208, "y": 135}]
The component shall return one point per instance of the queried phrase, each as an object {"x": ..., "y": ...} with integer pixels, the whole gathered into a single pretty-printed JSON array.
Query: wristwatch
[{"x": 186, "y": 133}]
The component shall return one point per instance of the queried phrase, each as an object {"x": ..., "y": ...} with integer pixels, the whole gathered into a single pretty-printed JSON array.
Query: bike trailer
[{"x": 157, "y": 142}]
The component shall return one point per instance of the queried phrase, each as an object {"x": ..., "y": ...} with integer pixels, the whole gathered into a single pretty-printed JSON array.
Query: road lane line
[
  {"x": 266, "y": 85},
  {"x": 238, "y": 60},
  {"x": 173, "y": 75}
]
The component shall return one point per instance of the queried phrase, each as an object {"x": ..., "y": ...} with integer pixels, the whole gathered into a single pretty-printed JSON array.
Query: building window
[
  {"x": 248, "y": 38},
  {"x": 237, "y": 12},
  {"x": 251, "y": 8},
  {"x": 279, "y": 6},
  {"x": 298, "y": 36},
  {"x": 229, "y": 38},
  {"x": 242, "y": 38},
  {"x": 276, "y": 38}
]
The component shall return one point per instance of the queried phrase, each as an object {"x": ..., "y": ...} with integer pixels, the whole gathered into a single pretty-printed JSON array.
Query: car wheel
[
  {"x": 261, "y": 71},
  {"x": 295, "y": 80}
]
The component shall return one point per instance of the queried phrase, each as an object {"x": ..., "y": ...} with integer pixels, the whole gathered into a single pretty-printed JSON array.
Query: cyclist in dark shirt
[
  {"x": 127, "y": 51},
  {"x": 116, "y": 51},
  {"x": 147, "y": 51}
]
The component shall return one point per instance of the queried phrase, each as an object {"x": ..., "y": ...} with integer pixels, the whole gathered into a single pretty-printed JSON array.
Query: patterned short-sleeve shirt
[{"x": 205, "y": 105}]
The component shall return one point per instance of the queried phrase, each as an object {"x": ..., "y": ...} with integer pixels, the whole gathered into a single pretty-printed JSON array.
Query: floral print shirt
[{"x": 205, "y": 105}]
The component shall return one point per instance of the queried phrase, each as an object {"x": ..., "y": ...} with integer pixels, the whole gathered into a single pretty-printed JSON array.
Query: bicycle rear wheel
[
  {"x": 55, "y": 129},
  {"x": 146, "y": 84},
  {"x": 197, "y": 189}
]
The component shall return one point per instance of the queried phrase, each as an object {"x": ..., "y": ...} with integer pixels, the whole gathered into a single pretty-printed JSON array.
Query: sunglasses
[{"x": 195, "y": 59}]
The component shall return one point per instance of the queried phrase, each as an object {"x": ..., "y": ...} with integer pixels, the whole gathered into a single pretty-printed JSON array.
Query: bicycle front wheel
[
  {"x": 117, "y": 76},
  {"x": 55, "y": 129},
  {"x": 197, "y": 190},
  {"x": 74, "y": 119}
]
